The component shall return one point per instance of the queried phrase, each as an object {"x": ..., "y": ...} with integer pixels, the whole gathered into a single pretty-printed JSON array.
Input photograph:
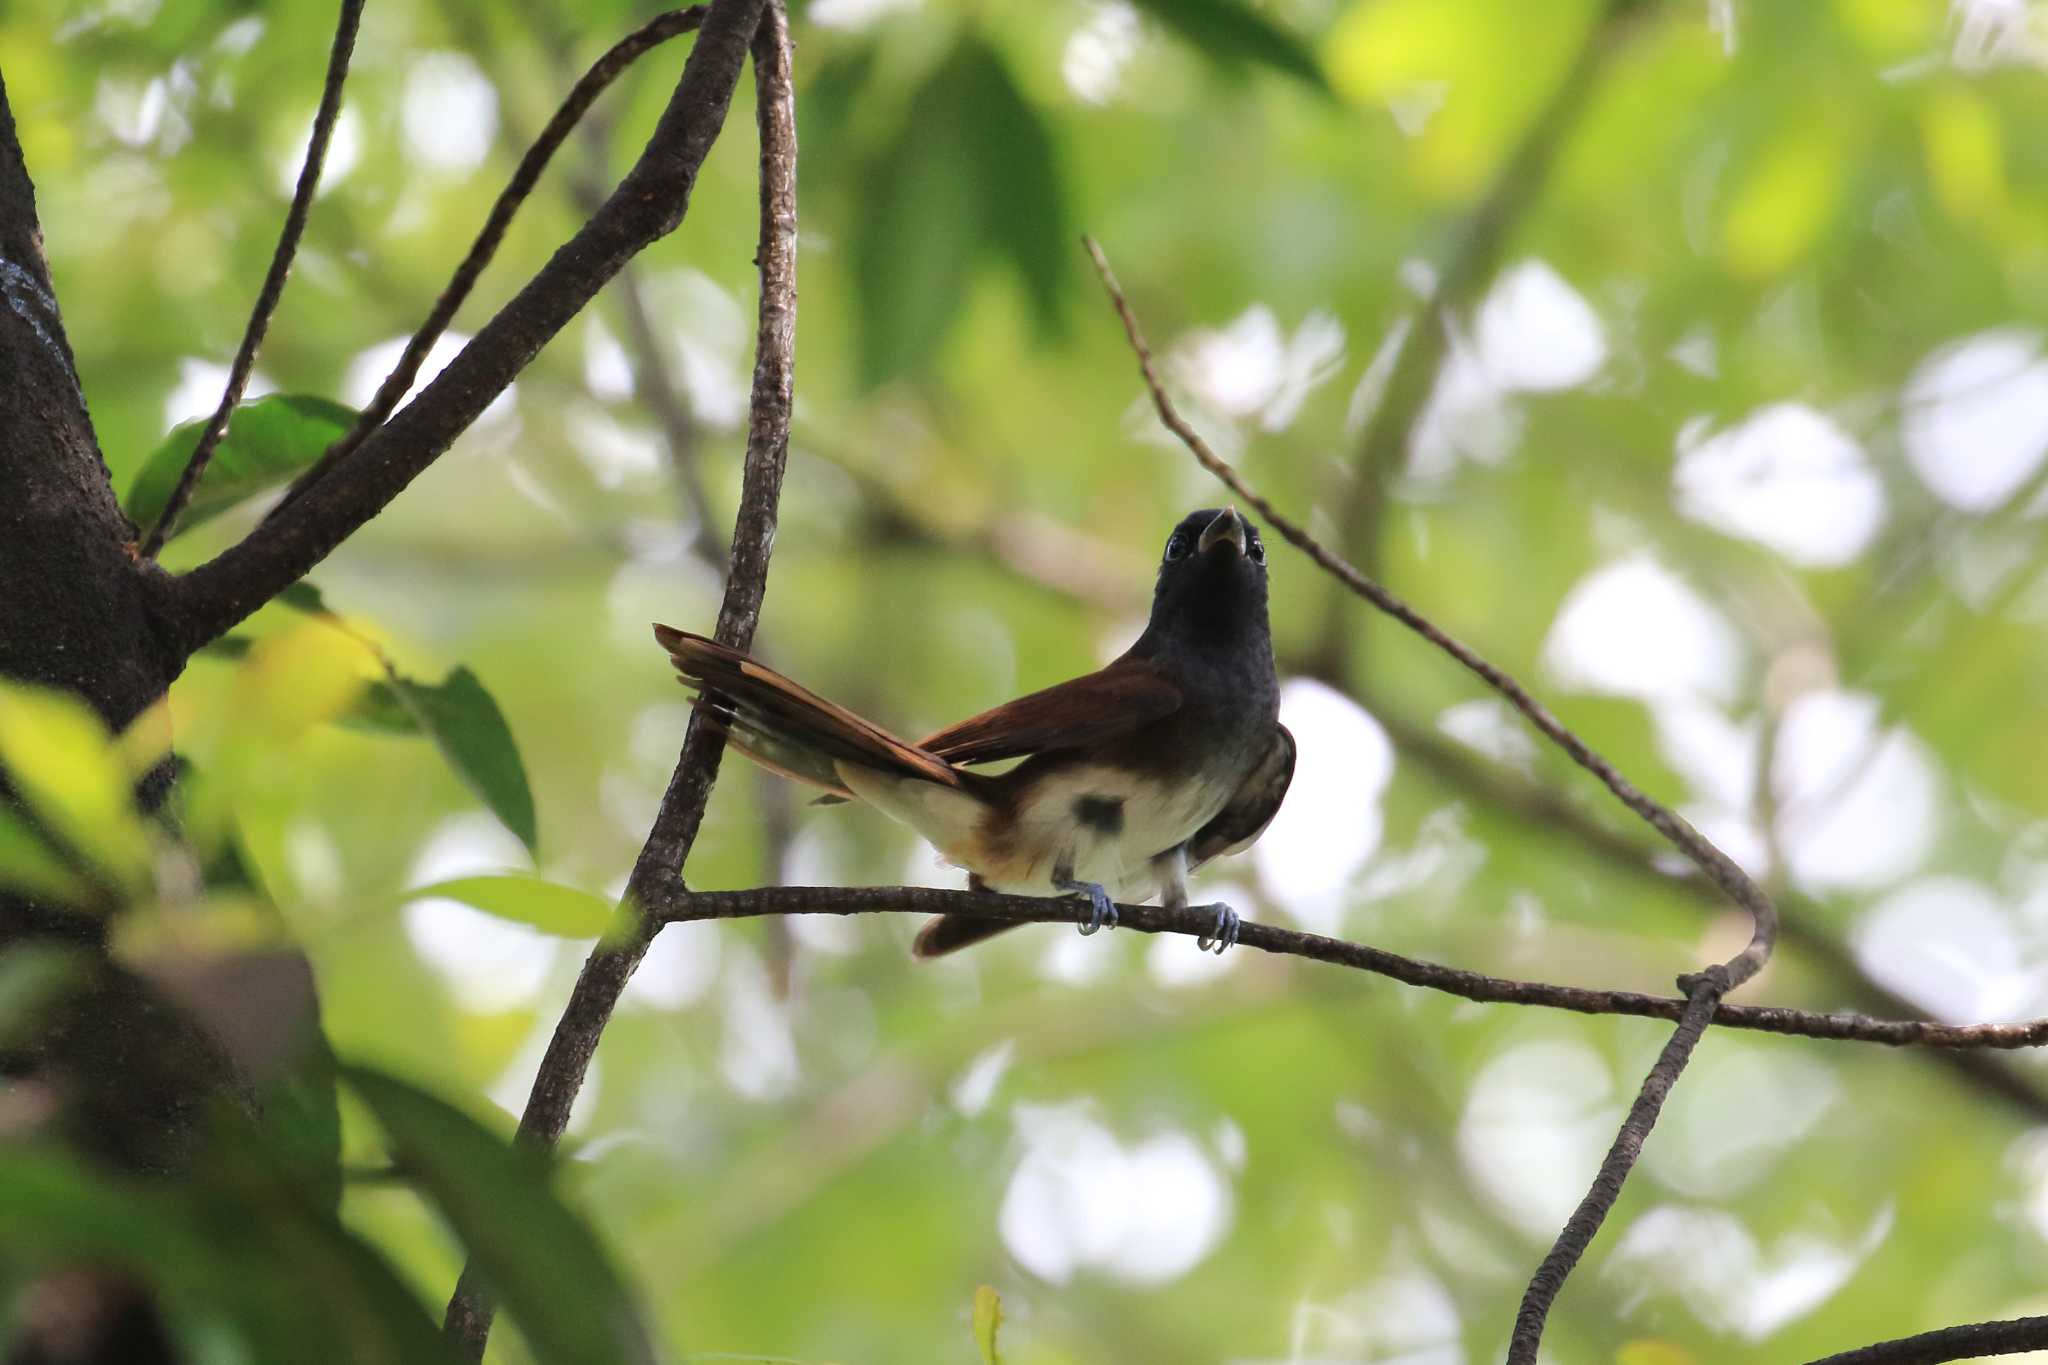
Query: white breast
[{"x": 1155, "y": 818}]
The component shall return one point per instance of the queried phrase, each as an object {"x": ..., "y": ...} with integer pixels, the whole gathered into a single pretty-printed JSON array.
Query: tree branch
[
  {"x": 670, "y": 901},
  {"x": 648, "y": 203},
  {"x": 611, "y": 964},
  {"x": 1703, "y": 993},
  {"x": 2005, "y": 1338},
  {"x": 273, "y": 282},
  {"x": 582, "y": 95}
]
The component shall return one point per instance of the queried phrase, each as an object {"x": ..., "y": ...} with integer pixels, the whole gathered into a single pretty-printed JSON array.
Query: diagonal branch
[
  {"x": 611, "y": 964},
  {"x": 273, "y": 282},
  {"x": 673, "y": 902},
  {"x": 648, "y": 204},
  {"x": 1703, "y": 994},
  {"x": 582, "y": 95}
]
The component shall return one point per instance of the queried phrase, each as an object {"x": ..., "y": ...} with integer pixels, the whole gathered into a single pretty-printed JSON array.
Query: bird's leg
[
  {"x": 1171, "y": 870},
  {"x": 1101, "y": 909}
]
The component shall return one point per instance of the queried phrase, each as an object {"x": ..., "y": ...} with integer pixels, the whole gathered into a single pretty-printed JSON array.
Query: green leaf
[
  {"x": 920, "y": 228},
  {"x": 268, "y": 442},
  {"x": 988, "y": 1316},
  {"x": 1231, "y": 32},
  {"x": 304, "y": 596},
  {"x": 234, "y": 1246},
  {"x": 1025, "y": 209},
  {"x": 541, "y": 1260},
  {"x": 65, "y": 765},
  {"x": 547, "y": 906},
  {"x": 30, "y": 866},
  {"x": 973, "y": 170},
  {"x": 471, "y": 733}
]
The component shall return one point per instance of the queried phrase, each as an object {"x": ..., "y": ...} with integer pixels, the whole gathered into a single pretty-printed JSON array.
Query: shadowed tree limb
[
  {"x": 611, "y": 964},
  {"x": 273, "y": 282}
]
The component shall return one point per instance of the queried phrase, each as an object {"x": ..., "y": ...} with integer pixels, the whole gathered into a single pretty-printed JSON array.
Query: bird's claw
[
  {"x": 1101, "y": 909},
  {"x": 1224, "y": 934}
]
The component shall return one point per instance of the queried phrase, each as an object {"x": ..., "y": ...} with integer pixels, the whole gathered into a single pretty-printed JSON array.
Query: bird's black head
[{"x": 1212, "y": 580}]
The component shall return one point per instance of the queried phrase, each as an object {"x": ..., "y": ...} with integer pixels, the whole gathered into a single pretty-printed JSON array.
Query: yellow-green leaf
[
  {"x": 544, "y": 905},
  {"x": 988, "y": 1318},
  {"x": 71, "y": 773}
]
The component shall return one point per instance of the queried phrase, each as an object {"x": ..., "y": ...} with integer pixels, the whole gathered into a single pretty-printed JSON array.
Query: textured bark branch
[
  {"x": 671, "y": 901},
  {"x": 1703, "y": 993},
  {"x": 648, "y": 204},
  {"x": 2005, "y": 1338},
  {"x": 273, "y": 280},
  {"x": 611, "y": 964}
]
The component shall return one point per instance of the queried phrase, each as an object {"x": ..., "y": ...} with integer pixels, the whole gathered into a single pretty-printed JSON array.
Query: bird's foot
[
  {"x": 1101, "y": 909},
  {"x": 1225, "y": 932}
]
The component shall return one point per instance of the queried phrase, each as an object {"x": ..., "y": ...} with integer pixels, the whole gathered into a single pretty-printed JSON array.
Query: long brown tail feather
[{"x": 784, "y": 726}]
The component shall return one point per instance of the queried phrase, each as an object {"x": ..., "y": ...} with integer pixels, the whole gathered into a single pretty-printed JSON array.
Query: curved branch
[
  {"x": 648, "y": 204},
  {"x": 1703, "y": 993},
  {"x": 672, "y": 902},
  {"x": 273, "y": 282},
  {"x": 2009, "y": 1337},
  {"x": 611, "y": 964},
  {"x": 1718, "y": 866}
]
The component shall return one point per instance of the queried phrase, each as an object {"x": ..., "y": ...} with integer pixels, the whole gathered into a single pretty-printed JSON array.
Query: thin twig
[
  {"x": 648, "y": 203},
  {"x": 2005, "y": 1338},
  {"x": 582, "y": 95},
  {"x": 1703, "y": 994},
  {"x": 273, "y": 282},
  {"x": 1499, "y": 790},
  {"x": 673, "y": 902},
  {"x": 1718, "y": 866},
  {"x": 609, "y": 966}
]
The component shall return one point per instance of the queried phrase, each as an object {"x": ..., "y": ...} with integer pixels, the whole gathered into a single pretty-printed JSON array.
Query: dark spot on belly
[{"x": 1103, "y": 814}]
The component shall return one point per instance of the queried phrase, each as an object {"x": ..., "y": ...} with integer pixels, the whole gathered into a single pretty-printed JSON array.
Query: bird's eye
[
  {"x": 1176, "y": 547},
  {"x": 1257, "y": 550}
]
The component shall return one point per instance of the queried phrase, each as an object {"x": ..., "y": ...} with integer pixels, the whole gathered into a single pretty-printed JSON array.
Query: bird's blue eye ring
[{"x": 1176, "y": 547}]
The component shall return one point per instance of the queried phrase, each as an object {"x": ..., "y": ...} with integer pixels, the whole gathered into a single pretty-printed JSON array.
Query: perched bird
[{"x": 1132, "y": 776}]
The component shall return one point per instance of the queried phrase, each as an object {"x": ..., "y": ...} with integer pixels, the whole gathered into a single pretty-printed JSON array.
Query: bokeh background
[{"x": 1731, "y": 443}]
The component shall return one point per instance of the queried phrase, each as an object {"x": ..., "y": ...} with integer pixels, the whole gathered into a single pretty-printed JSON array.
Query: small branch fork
[{"x": 273, "y": 282}]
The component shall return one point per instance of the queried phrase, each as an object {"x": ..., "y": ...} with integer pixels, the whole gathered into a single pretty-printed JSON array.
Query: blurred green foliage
[{"x": 794, "y": 1145}]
